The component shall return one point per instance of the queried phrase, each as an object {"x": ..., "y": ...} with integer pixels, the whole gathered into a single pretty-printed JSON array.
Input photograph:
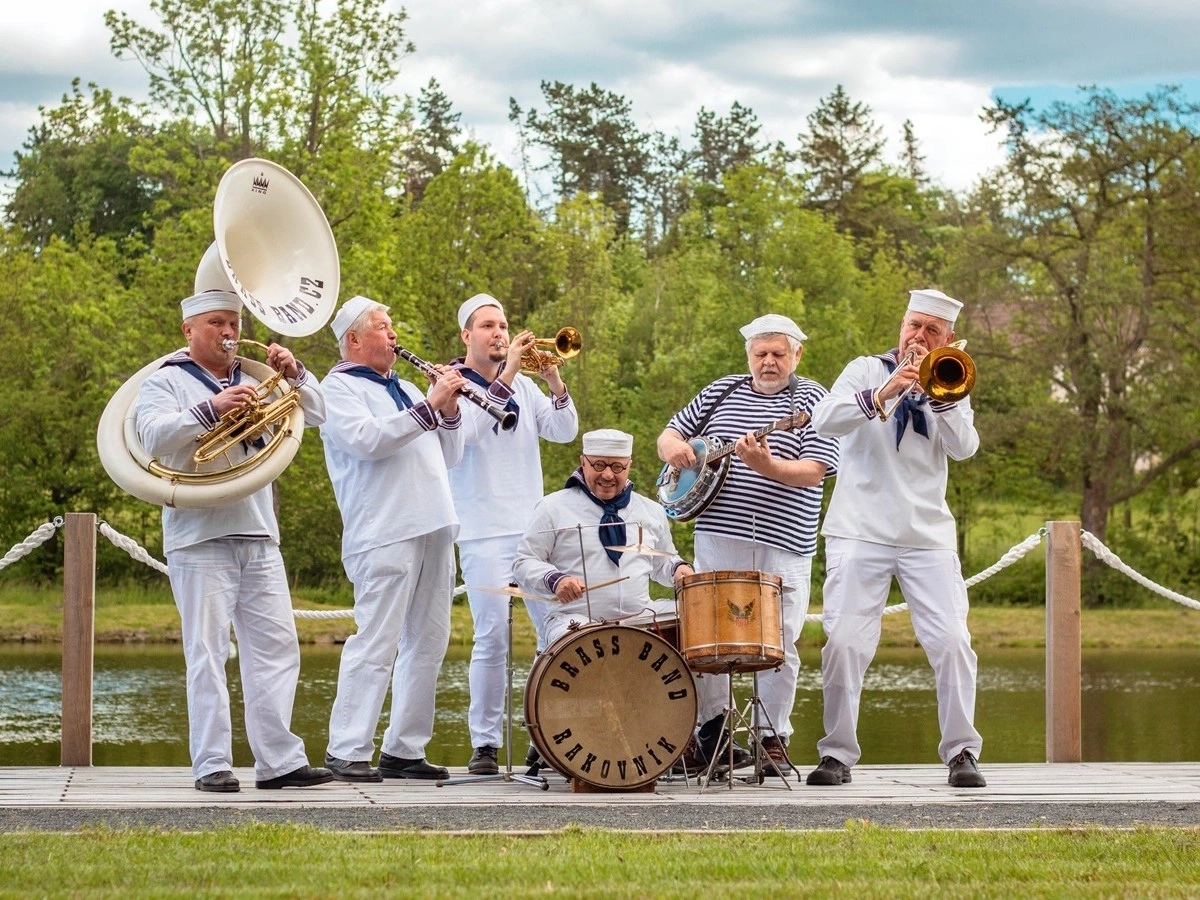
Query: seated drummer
[{"x": 599, "y": 496}]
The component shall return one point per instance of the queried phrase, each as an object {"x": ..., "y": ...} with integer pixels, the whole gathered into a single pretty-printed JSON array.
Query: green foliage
[{"x": 1077, "y": 259}]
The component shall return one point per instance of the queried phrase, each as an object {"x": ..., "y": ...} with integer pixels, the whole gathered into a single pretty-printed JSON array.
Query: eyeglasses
[{"x": 598, "y": 466}]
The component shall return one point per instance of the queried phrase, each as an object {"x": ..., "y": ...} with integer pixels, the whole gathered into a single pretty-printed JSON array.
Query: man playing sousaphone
[
  {"x": 763, "y": 516},
  {"x": 224, "y": 561}
]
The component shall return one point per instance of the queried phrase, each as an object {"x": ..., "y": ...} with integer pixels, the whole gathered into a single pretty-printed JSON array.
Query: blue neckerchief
[
  {"x": 471, "y": 375},
  {"x": 909, "y": 408},
  {"x": 391, "y": 381},
  {"x": 210, "y": 381},
  {"x": 612, "y": 526}
]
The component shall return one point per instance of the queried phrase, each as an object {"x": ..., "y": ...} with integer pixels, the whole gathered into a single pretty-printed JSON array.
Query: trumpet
[
  {"x": 947, "y": 374},
  {"x": 555, "y": 351},
  {"x": 252, "y": 419},
  {"x": 506, "y": 418}
]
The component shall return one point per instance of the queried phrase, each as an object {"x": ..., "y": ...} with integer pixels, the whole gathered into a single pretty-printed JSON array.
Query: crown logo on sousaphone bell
[{"x": 260, "y": 184}]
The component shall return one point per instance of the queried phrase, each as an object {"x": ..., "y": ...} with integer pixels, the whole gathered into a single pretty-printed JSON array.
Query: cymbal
[{"x": 509, "y": 591}]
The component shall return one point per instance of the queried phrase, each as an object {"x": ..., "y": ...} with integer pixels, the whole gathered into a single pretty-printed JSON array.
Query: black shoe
[
  {"x": 483, "y": 761},
  {"x": 218, "y": 783},
  {"x": 399, "y": 767},
  {"x": 775, "y": 757},
  {"x": 715, "y": 742},
  {"x": 532, "y": 756},
  {"x": 345, "y": 770},
  {"x": 305, "y": 776},
  {"x": 829, "y": 771},
  {"x": 964, "y": 772}
]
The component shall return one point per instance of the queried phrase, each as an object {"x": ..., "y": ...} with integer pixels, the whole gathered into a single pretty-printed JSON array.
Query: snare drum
[
  {"x": 731, "y": 621},
  {"x": 610, "y": 705}
]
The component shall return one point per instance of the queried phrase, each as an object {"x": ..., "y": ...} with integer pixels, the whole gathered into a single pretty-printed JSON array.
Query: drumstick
[{"x": 594, "y": 587}]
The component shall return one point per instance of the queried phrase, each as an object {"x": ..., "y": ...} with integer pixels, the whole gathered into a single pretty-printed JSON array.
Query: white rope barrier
[
  {"x": 1013, "y": 555},
  {"x": 36, "y": 538},
  {"x": 130, "y": 546},
  {"x": 1105, "y": 555}
]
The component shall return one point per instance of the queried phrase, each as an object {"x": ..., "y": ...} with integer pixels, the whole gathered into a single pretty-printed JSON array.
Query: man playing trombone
[
  {"x": 888, "y": 518},
  {"x": 224, "y": 561},
  {"x": 495, "y": 487},
  {"x": 387, "y": 448}
]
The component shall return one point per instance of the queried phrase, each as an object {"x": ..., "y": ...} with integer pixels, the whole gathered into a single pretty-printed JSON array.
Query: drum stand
[
  {"x": 508, "y": 775},
  {"x": 746, "y": 719}
]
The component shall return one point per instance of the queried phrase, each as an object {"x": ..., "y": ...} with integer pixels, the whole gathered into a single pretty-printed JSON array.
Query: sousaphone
[{"x": 275, "y": 249}]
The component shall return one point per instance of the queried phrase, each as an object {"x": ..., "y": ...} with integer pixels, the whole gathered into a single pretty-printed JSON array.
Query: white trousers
[
  {"x": 858, "y": 575},
  {"x": 402, "y": 610},
  {"x": 241, "y": 582},
  {"x": 487, "y": 562},
  {"x": 776, "y": 687}
]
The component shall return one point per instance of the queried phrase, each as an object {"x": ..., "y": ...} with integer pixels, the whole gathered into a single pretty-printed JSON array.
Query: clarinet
[{"x": 506, "y": 418}]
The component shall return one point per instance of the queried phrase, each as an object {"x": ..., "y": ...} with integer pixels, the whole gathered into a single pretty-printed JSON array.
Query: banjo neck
[{"x": 787, "y": 423}]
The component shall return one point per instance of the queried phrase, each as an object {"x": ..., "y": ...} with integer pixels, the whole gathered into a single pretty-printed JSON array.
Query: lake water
[{"x": 1137, "y": 706}]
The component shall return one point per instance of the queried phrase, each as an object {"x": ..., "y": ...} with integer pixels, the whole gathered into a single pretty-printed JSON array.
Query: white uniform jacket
[
  {"x": 388, "y": 466},
  {"x": 498, "y": 481},
  {"x": 173, "y": 409},
  {"x": 547, "y": 553},
  {"x": 884, "y": 494}
]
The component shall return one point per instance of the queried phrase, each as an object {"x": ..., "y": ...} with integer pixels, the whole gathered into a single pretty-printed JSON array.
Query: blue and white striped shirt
[{"x": 749, "y": 506}]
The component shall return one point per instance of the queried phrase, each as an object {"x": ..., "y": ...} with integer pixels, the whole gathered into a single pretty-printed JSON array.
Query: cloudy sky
[{"x": 936, "y": 62}]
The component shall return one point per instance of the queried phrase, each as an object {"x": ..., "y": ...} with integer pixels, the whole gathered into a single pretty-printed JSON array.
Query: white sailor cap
[
  {"x": 934, "y": 303},
  {"x": 773, "y": 323},
  {"x": 207, "y": 301},
  {"x": 349, "y": 313},
  {"x": 608, "y": 442},
  {"x": 469, "y": 306}
]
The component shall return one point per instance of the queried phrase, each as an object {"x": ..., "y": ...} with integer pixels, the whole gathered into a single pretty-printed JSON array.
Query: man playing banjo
[{"x": 763, "y": 515}]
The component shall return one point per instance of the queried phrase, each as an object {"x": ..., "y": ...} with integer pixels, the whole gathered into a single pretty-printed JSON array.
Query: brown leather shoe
[{"x": 775, "y": 757}]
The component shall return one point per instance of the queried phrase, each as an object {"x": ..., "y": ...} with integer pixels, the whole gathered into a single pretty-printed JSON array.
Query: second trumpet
[
  {"x": 506, "y": 418},
  {"x": 566, "y": 344}
]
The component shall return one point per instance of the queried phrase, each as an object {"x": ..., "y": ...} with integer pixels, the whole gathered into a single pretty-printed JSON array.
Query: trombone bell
[{"x": 947, "y": 375}]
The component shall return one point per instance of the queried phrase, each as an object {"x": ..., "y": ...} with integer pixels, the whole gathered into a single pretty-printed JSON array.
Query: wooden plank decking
[{"x": 1018, "y": 794}]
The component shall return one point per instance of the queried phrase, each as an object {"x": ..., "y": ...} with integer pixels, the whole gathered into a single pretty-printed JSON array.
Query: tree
[
  {"x": 593, "y": 144},
  {"x": 841, "y": 144},
  {"x": 912, "y": 162},
  {"x": 1089, "y": 231},
  {"x": 725, "y": 143},
  {"x": 435, "y": 141},
  {"x": 75, "y": 175}
]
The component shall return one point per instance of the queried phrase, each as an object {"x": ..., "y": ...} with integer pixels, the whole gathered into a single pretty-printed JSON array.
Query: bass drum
[{"x": 611, "y": 706}]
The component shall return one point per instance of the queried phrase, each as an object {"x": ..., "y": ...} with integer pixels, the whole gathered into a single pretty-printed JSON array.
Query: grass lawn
[{"x": 858, "y": 861}]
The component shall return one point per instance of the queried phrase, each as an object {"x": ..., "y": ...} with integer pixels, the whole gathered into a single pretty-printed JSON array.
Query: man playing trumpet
[
  {"x": 224, "y": 562},
  {"x": 495, "y": 487}
]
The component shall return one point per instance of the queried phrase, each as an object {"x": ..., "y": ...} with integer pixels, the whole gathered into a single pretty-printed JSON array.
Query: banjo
[{"x": 685, "y": 493}]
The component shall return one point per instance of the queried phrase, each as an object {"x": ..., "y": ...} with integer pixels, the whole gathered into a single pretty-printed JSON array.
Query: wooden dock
[{"x": 1017, "y": 795}]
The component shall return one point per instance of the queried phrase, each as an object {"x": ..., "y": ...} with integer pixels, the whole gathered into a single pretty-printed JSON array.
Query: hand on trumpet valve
[
  {"x": 517, "y": 348},
  {"x": 447, "y": 386}
]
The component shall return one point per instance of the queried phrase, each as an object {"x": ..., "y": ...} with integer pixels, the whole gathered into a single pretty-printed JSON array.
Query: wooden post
[
  {"x": 1063, "y": 680},
  {"x": 79, "y": 628}
]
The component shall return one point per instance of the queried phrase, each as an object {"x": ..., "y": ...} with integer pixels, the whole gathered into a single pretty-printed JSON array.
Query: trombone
[
  {"x": 555, "y": 351},
  {"x": 947, "y": 374}
]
